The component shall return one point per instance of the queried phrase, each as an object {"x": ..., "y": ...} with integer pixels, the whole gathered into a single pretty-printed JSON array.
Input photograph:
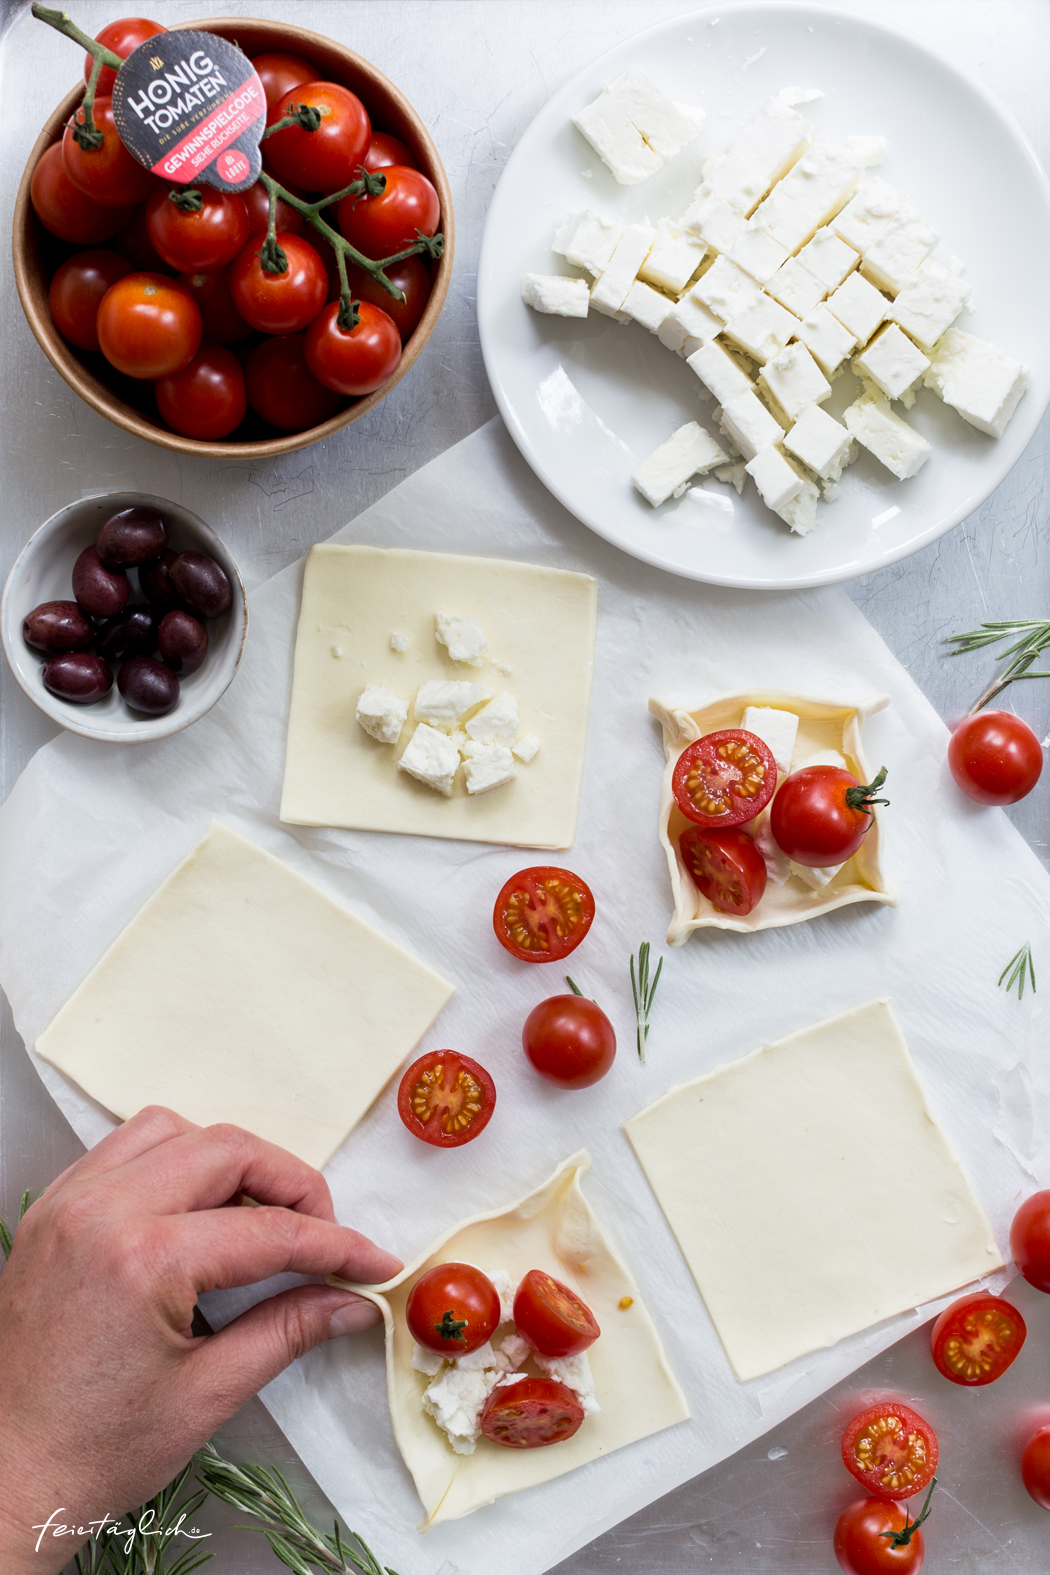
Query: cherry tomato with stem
[
  {"x": 1035, "y": 1467},
  {"x": 279, "y": 303},
  {"x": 410, "y": 276},
  {"x": 148, "y": 325},
  {"x": 109, "y": 174},
  {"x": 64, "y": 210},
  {"x": 995, "y": 757},
  {"x": 282, "y": 389},
  {"x": 353, "y": 360},
  {"x": 551, "y": 1317},
  {"x": 873, "y": 1537},
  {"x": 1030, "y": 1240},
  {"x": 386, "y": 149},
  {"x": 822, "y": 814},
  {"x": 196, "y": 240},
  {"x": 289, "y": 219},
  {"x": 446, "y": 1099},
  {"x": 205, "y": 399},
  {"x": 453, "y": 1308},
  {"x": 76, "y": 290},
  {"x": 543, "y": 913},
  {"x": 123, "y": 37},
  {"x": 327, "y": 159},
  {"x": 977, "y": 1338},
  {"x": 531, "y": 1413},
  {"x": 279, "y": 73},
  {"x": 724, "y": 778},
  {"x": 380, "y": 226},
  {"x": 222, "y": 322},
  {"x": 890, "y": 1450},
  {"x": 569, "y": 1041},
  {"x": 726, "y": 867}
]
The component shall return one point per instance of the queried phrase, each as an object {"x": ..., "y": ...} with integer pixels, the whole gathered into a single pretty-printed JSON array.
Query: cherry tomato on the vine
[
  {"x": 890, "y": 1450},
  {"x": 109, "y": 174},
  {"x": 206, "y": 399},
  {"x": 257, "y": 201},
  {"x": 821, "y": 815},
  {"x": 386, "y": 149},
  {"x": 724, "y": 778},
  {"x": 64, "y": 210},
  {"x": 76, "y": 290},
  {"x": 543, "y": 913},
  {"x": 569, "y": 1041},
  {"x": 353, "y": 360},
  {"x": 196, "y": 241},
  {"x": 222, "y": 322},
  {"x": 282, "y": 389},
  {"x": 326, "y": 159},
  {"x": 123, "y": 37},
  {"x": 133, "y": 242},
  {"x": 1030, "y": 1240},
  {"x": 279, "y": 303},
  {"x": 380, "y": 226},
  {"x": 148, "y": 326},
  {"x": 995, "y": 757},
  {"x": 446, "y": 1099},
  {"x": 726, "y": 866},
  {"x": 531, "y": 1413},
  {"x": 453, "y": 1308},
  {"x": 977, "y": 1338},
  {"x": 873, "y": 1537},
  {"x": 1035, "y": 1467},
  {"x": 551, "y": 1317},
  {"x": 279, "y": 73},
  {"x": 412, "y": 280}
]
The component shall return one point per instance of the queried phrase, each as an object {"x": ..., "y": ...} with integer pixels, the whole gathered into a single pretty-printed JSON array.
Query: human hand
[{"x": 104, "y": 1391}]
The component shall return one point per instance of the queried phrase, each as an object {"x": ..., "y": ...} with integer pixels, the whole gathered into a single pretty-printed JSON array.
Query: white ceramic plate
[{"x": 586, "y": 400}]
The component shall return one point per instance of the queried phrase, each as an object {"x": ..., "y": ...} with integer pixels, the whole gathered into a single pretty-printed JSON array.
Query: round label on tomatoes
[{"x": 191, "y": 108}]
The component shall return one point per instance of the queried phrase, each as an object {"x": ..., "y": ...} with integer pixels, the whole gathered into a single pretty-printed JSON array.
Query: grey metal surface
[{"x": 478, "y": 70}]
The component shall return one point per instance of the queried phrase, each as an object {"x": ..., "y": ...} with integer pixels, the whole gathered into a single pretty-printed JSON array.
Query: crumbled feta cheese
[
  {"x": 929, "y": 303},
  {"x": 858, "y": 306},
  {"x": 750, "y": 425},
  {"x": 337, "y": 650},
  {"x": 785, "y": 219},
  {"x": 477, "y": 1360},
  {"x": 455, "y": 1398},
  {"x": 442, "y": 701},
  {"x": 895, "y": 256},
  {"x": 773, "y": 141},
  {"x": 758, "y": 254},
  {"x": 828, "y": 259},
  {"x": 612, "y": 285},
  {"x": 828, "y": 341},
  {"x": 726, "y": 289},
  {"x": 673, "y": 258},
  {"x": 575, "y": 1373},
  {"x": 891, "y": 361},
  {"x": 381, "y": 714},
  {"x": 795, "y": 287},
  {"x": 978, "y": 380},
  {"x": 791, "y": 381},
  {"x": 667, "y": 471},
  {"x": 733, "y": 476},
  {"x": 463, "y": 639},
  {"x": 792, "y": 96},
  {"x": 432, "y": 758},
  {"x": 866, "y": 215},
  {"x": 719, "y": 372},
  {"x": 427, "y": 1361},
  {"x": 514, "y": 1350},
  {"x": 526, "y": 746},
  {"x": 587, "y": 240},
  {"x": 505, "y": 1290},
  {"x": 714, "y": 220},
  {"x": 892, "y": 441},
  {"x": 815, "y": 879},
  {"x": 777, "y": 480},
  {"x": 556, "y": 295},
  {"x": 491, "y": 767},
  {"x": 762, "y": 328},
  {"x": 495, "y": 723},
  {"x": 399, "y": 642},
  {"x": 646, "y": 306},
  {"x": 778, "y": 865},
  {"x": 821, "y": 443},
  {"x": 777, "y": 730}
]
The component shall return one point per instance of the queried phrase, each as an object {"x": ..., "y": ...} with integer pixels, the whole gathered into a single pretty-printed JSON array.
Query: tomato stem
[
  {"x": 862, "y": 797},
  {"x": 901, "y": 1539},
  {"x": 62, "y": 22},
  {"x": 450, "y": 1327},
  {"x": 186, "y": 198},
  {"x": 85, "y": 133}
]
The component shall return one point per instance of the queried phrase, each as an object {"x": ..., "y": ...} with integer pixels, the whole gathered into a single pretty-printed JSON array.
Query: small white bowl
[{"x": 42, "y": 572}]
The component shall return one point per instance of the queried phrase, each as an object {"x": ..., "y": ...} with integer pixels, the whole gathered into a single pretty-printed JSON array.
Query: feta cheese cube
[
  {"x": 525, "y": 747},
  {"x": 646, "y": 306},
  {"x": 826, "y": 339},
  {"x": 762, "y": 328},
  {"x": 786, "y": 220},
  {"x": 796, "y": 288},
  {"x": 801, "y": 512},
  {"x": 758, "y": 254},
  {"x": 792, "y": 380},
  {"x": 777, "y": 730},
  {"x": 892, "y": 441},
  {"x": 719, "y": 372},
  {"x": 773, "y": 141},
  {"x": 866, "y": 215},
  {"x": 777, "y": 480},
  {"x": 822, "y": 180},
  {"x": 778, "y": 865},
  {"x": 381, "y": 714},
  {"x": 610, "y": 288},
  {"x": 747, "y": 422},
  {"x": 668, "y": 470},
  {"x": 675, "y": 336},
  {"x": 432, "y": 758},
  {"x": 490, "y": 768},
  {"x": 892, "y": 259},
  {"x": 673, "y": 258},
  {"x": 462, "y": 638},
  {"x": 495, "y": 723},
  {"x": 736, "y": 183},
  {"x": 725, "y": 289},
  {"x": 820, "y": 757},
  {"x": 712, "y": 219},
  {"x": 692, "y": 315},
  {"x": 820, "y": 442},
  {"x": 616, "y": 139},
  {"x": 869, "y": 152},
  {"x": 978, "y": 380},
  {"x": 587, "y": 240},
  {"x": 666, "y": 126},
  {"x": 815, "y": 879},
  {"x": 892, "y": 361},
  {"x": 399, "y": 642},
  {"x": 858, "y": 306},
  {"x": 828, "y": 259},
  {"x": 442, "y": 701},
  {"x": 929, "y": 303}
]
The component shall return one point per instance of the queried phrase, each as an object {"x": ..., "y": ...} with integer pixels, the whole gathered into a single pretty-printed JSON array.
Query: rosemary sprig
[
  {"x": 574, "y": 987},
  {"x": 643, "y": 993},
  {"x": 143, "y": 1543},
  {"x": 1034, "y": 637},
  {"x": 1019, "y": 967}
]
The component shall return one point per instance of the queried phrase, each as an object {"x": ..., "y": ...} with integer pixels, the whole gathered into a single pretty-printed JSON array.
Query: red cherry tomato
[
  {"x": 531, "y": 1413},
  {"x": 1035, "y": 1467},
  {"x": 279, "y": 73},
  {"x": 355, "y": 360},
  {"x": 386, "y": 149},
  {"x": 995, "y": 757},
  {"x": 863, "y": 1547},
  {"x": 380, "y": 226},
  {"x": 453, "y": 1308},
  {"x": 64, "y": 210},
  {"x": 890, "y": 1450},
  {"x": 123, "y": 37},
  {"x": 109, "y": 174},
  {"x": 543, "y": 913},
  {"x": 282, "y": 389},
  {"x": 222, "y": 322},
  {"x": 76, "y": 290},
  {"x": 326, "y": 159},
  {"x": 820, "y": 815},
  {"x": 133, "y": 242},
  {"x": 725, "y": 778},
  {"x": 569, "y": 1041},
  {"x": 726, "y": 867},
  {"x": 976, "y": 1339},
  {"x": 148, "y": 326},
  {"x": 206, "y": 399},
  {"x": 1030, "y": 1240},
  {"x": 257, "y": 202},
  {"x": 412, "y": 280},
  {"x": 196, "y": 242},
  {"x": 279, "y": 303},
  {"x": 551, "y": 1317},
  {"x": 446, "y": 1099}
]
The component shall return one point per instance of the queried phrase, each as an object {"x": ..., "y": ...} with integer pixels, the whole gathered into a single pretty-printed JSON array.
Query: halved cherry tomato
[
  {"x": 543, "y": 913},
  {"x": 569, "y": 1041},
  {"x": 110, "y": 175},
  {"x": 380, "y": 226},
  {"x": 873, "y": 1537},
  {"x": 77, "y": 289},
  {"x": 123, "y": 37},
  {"x": 822, "y": 814},
  {"x": 976, "y": 1339},
  {"x": 354, "y": 360},
  {"x": 726, "y": 866},
  {"x": 1035, "y": 1467},
  {"x": 890, "y": 1450},
  {"x": 725, "y": 778},
  {"x": 195, "y": 242},
  {"x": 206, "y": 399},
  {"x": 446, "y": 1099},
  {"x": 453, "y": 1308},
  {"x": 326, "y": 159},
  {"x": 64, "y": 210},
  {"x": 386, "y": 149},
  {"x": 282, "y": 389},
  {"x": 223, "y": 323},
  {"x": 279, "y": 303},
  {"x": 995, "y": 757},
  {"x": 148, "y": 326},
  {"x": 279, "y": 74},
  {"x": 412, "y": 280},
  {"x": 551, "y": 1317},
  {"x": 531, "y": 1413},
  {"x": 1030, "y": 1240}
]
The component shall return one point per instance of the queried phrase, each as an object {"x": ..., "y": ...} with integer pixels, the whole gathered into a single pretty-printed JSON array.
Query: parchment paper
[{"x": 89, "y": 831}]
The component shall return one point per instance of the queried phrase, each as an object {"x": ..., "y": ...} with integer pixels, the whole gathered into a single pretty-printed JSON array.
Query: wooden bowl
[{"x": 37, "y": 253}]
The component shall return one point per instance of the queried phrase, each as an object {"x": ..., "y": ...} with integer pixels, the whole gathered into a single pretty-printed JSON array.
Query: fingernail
[{"x": 353, "y": 1317}]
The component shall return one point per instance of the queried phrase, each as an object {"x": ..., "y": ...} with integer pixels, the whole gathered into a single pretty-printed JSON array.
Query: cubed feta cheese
[
  {"x": 892, "y": 361},
  {"x": 757, "y": 253},
  {"x": 824, "y": 178},
  {"x": 792, "y": 380},
  {"x": 815, "y": 879},
  {"x": 673, "y": 258},
  {"x": 719, "y": 372},
  {"x": 772, "y": 141},
  {"x": 646, "y": 306},
  {"x": 712, "y": 219},
  {"x": 820, "y": 442},
  {"x": 894, "y": 257},
  {"x": 725, "y": 289},
  {"x": 796, "y": 288},
  {"x": 819, "y": 757},
  {"x": 858, "y": 306},
  {"x": 869, "y": 152},
  {"x": 775, "y": 477},
  {"x": 801, "y": 512},
  {"x": 492, "y": 768},
  {"x": 617, "y": 141},
  {"x": 442, "y": 701},
  {"x": 575, "y": 1373},
  {"x": 525, "y": 747},
  {"x": 399, "y": 642},
  {"x": 828, "y": 341},
  {"x": 587, "y": 240},
  {"x": 381, "y": 714},
  {"x": 495, "y": 723},
  {"x": 777, "y": 730},
  {"x": 786, "y": 220},
  {"x": 892, "y": 441},
  {"x": 866, "y": 215},
  {"x": 736, "y": 183},
  {"x": 612, "y": 285},
  {"x": 763, "y": 328},
  {"x": 778, "y": 865},
  {"x": 432, "y": 758},
  {"x": 668, "y": 470},
  {"x": 556, "y": 295},
  {"x": 695, "y": 320},
  {"x": 749, "y": 424},
  {"x": 978, "y": 380},
  {"x": 673, "y": 333},
  {"x": 929, "y": 303},
  {"x": 666, "y": 126},
  {"x": 462, "y": 638},
  {"x": 828, "y": 259}
]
